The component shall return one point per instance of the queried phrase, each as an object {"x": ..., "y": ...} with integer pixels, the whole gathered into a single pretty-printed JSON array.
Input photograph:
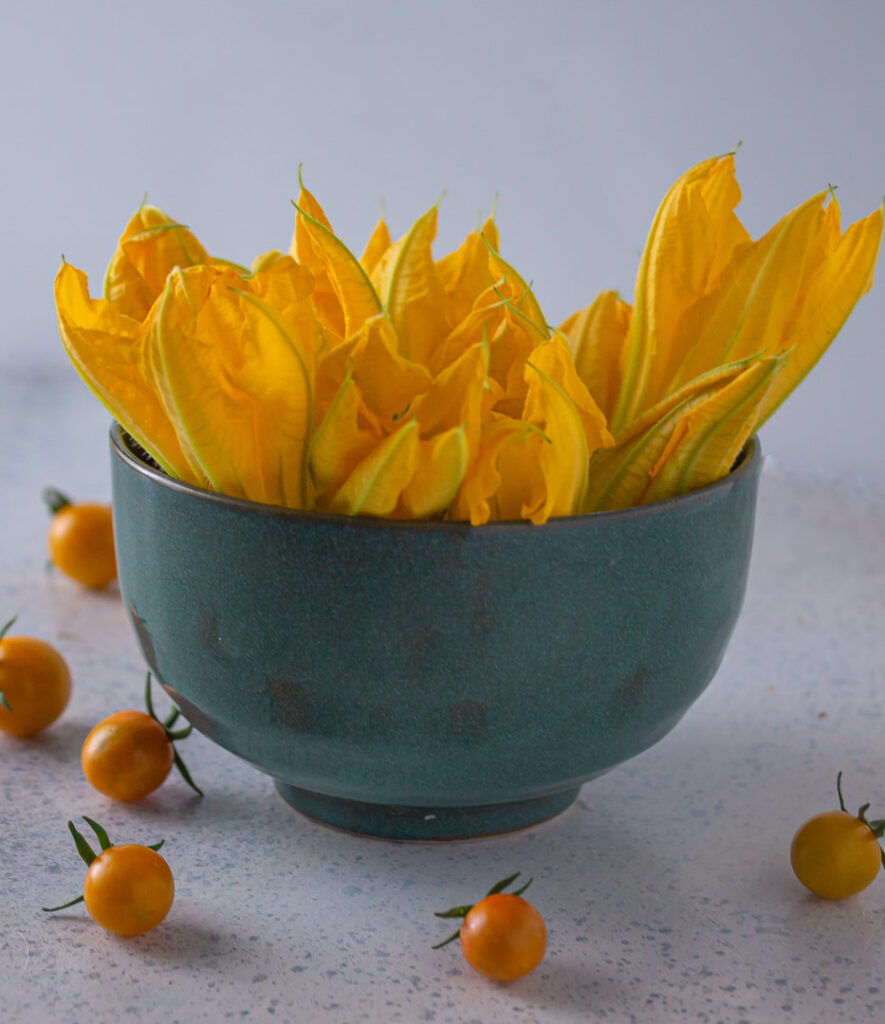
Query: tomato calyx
[
  {"x": 877, "y": 826},
  {"x": 55, "y": 500},
  {"x": 4, "y": 629},
  {"x": 88, "y": 854},
  {"x": 171, "y": 734},
  {"x": 464, "y": 910}
]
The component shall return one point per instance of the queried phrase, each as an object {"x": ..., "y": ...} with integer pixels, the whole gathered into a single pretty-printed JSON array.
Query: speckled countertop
[{"x": 666, "y": 888}]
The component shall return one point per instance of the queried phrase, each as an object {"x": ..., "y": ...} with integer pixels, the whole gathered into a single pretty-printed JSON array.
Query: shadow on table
[{"x": 59, "y": 742}]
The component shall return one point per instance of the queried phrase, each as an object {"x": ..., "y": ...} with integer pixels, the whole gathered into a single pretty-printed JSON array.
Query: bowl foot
[{"x": 395, "y": 821}]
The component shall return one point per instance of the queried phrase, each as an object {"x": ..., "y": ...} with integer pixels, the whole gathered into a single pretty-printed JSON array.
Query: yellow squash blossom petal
[
  {"x": 301, "y": 247},
  {"x": 718, "y": 377},
  {"x": 480, "y": 324},
  {"x": 375, "y": 485},
  {"x": 512, "y": 286},
  {"x": 619, "y": 476},
  {"x": 721, "y": 194},
  {"x": 563, "y": 455},
  {"x": 331, "y": 367},
  {"x": 596, "y": 335},
  {"x": 412, "y": 291},
  {"x": 389, "y": 383},
  {"x": 236, "y": 378},
  {"x": 457, "y": 397},
  {"x": 345, "y": 437},
  {"x": 553, "y": 358},
  {"x": 350, "y": 283},
  {"x": 483, "y": 479},
  {"x": 287, "y": 287},
  {"x": 674, "y": 270},
  {"x": 150, "y": 246},
  {"x": 755, "y": 299},
  {"x": 325, "y": 298},
  {"x": 709, "y": 437},
  {"x": 510, "y": 348},
  {"x": 465, "y": 272},
  {"x": 442, "y": 463},
  {"x": 840, "y": 280},
  {"x": 522, "y": 490},
  {"x": 378, "y": 244},
  {"x": 105, "y": 347}
]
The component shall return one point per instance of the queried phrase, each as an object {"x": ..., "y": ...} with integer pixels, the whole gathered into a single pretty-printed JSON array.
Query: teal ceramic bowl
[{"x": 430, "y": 680}]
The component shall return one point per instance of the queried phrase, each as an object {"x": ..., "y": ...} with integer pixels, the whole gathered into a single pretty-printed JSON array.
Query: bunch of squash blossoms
[{"x": 402, "y": 386}]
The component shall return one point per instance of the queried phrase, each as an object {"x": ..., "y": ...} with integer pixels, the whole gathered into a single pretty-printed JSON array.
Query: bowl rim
[{"x": 749, "y": 464}]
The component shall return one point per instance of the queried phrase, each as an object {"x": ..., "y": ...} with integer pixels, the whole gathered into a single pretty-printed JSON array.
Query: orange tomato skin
[
  {"x": 36, "y": 683},
  {"x": 835, "y": 855},
  {"x": 128, "y": 889},
  {"x": 81, "y": 543},
  {"x": 126, "y": 755},
  {"x": 503, "y": 937}
]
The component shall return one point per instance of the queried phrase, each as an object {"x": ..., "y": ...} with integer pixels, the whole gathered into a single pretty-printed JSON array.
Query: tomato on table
[
  {"x": 836, "y": 854},
  {"x": 503, "y": 937},
  {"x": 80, "y": 539},
  {"x": 128, "y": 889},
  {"x": 35, "y": 683},
  {"x": 130, "y": 753}
]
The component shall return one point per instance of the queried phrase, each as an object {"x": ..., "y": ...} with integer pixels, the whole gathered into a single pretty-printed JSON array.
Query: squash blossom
[{"x": 398, "y": 385}]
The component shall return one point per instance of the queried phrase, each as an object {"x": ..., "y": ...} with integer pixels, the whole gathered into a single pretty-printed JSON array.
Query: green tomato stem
[
  {"x": 103, "y": 840},
  {"x": 877, "y": 827},
  {"x": 465, "y": 909},
  {"x": 180, "y": 734},
  {"x": 502, "y": 884},
  {"x": 7, "y": 626},
  {"x": 83, "y": 848},
  {"x": 70, "y": 903},
  {"x": 445, "y": 942},
  {"x": 454, "y": 911},
  {"x": 185, "y": 774},
  {"x": 839, "y": 792},
  {"x": 148, "y": 703},
  {"x": 55, "y": 501}
]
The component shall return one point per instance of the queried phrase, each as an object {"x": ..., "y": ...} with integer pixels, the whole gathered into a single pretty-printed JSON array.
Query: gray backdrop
[{"x": 578, "y": 115}]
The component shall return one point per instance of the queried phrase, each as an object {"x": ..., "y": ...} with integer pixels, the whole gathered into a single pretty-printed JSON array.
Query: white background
[{"x": 578, "y": 115}]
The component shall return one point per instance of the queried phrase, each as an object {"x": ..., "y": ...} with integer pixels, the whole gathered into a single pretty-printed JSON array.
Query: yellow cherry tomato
[
  {"x": 503, "y": 937},
  {"x": 128, "y": 889},
  {"x": 81, "y": 540},
  {"x": 127, "y": 755},
  {"x": 35, "y": 684},
  {"x": 835, "y": 854}
]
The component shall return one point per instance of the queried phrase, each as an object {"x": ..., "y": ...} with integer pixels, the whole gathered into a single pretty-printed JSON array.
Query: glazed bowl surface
[{"x": 430, "y": 680}]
